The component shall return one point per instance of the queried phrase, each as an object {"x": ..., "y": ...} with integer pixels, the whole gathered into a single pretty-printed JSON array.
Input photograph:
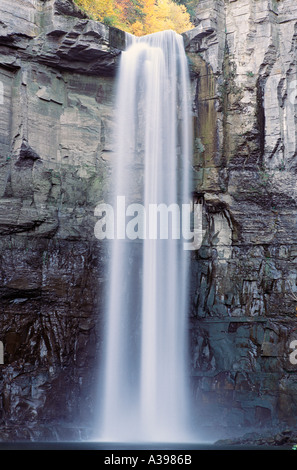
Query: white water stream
[{"x": 144, "y": 383}]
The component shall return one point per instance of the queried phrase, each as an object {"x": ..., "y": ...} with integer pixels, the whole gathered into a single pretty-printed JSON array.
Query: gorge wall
[
  {"x": 57, "y": 74},
  {"x": 244, "y": 277}
]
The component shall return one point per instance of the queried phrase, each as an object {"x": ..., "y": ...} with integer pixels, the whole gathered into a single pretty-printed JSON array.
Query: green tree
[{"x": 190, "y": 6}]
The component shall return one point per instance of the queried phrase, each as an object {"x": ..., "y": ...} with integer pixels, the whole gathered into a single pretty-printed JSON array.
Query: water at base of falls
[{"x": 144, "y": 394}]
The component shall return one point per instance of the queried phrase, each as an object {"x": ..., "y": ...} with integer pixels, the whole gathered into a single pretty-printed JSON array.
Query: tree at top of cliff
[
  {"x": 100, "y": 10},
  {"x": 190, "y": 6},
  {"x": 130, "y": 14},
  {"x": 139, "y": 17}
]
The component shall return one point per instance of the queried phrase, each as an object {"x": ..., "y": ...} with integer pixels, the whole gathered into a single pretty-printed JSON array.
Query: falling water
[{"x": 144, "y": 373}]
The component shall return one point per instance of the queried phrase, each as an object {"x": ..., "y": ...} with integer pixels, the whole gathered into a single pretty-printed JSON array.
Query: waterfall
[{"x": 144, "y": 375}]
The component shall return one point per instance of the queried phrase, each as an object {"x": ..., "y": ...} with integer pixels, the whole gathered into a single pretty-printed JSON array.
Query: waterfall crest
[{"x": 144, "y": 383}]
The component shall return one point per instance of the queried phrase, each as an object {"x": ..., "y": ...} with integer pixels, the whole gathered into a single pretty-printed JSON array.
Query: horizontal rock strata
[{"x": 57, "y": 82}]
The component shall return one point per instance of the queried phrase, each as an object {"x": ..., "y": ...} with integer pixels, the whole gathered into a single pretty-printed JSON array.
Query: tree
[
  {"x": 139, "y": 17},
  {"x": 190, "y": 6},
  {"x": 150, "y": 16},
  {"x": 159, "y": 18},
  {"x": 100, "y": 10},
  {"x": 130, "y": 14}
]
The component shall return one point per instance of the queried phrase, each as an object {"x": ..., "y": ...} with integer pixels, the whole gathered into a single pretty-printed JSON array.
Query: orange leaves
[
  {"x": 130, "y": 14},
  {"x": 139, "y": 17}
]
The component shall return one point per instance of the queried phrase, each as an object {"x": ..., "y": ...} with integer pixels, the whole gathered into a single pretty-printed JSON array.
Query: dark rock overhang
[{"x": 60, "y": 35}]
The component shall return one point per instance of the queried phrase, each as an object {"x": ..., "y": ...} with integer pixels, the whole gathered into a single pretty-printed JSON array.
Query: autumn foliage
[{"x": 139, "y": 17}]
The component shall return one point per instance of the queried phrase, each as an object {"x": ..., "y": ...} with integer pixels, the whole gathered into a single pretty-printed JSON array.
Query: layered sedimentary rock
[
  {"x": 57, "y": 74},
  {"x": 56, "y": 118},
  {"x": 244, "y": 277}
]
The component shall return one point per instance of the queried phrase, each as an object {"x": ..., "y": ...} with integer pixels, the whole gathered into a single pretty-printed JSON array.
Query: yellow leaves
[
  {"x": 139, "y": 17},
  {"x": 137, "y": 28},
  {"x": 97, "y": 9},
  {"x": 159, "y": 15},
  {"x": 180, "y": 18},
  {"x": 158, "y": 18}
]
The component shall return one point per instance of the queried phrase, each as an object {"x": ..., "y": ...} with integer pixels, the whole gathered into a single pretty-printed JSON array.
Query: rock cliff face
[
  {"x": 57, "y": 75},
  {"x": 244, "y": 277}
]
